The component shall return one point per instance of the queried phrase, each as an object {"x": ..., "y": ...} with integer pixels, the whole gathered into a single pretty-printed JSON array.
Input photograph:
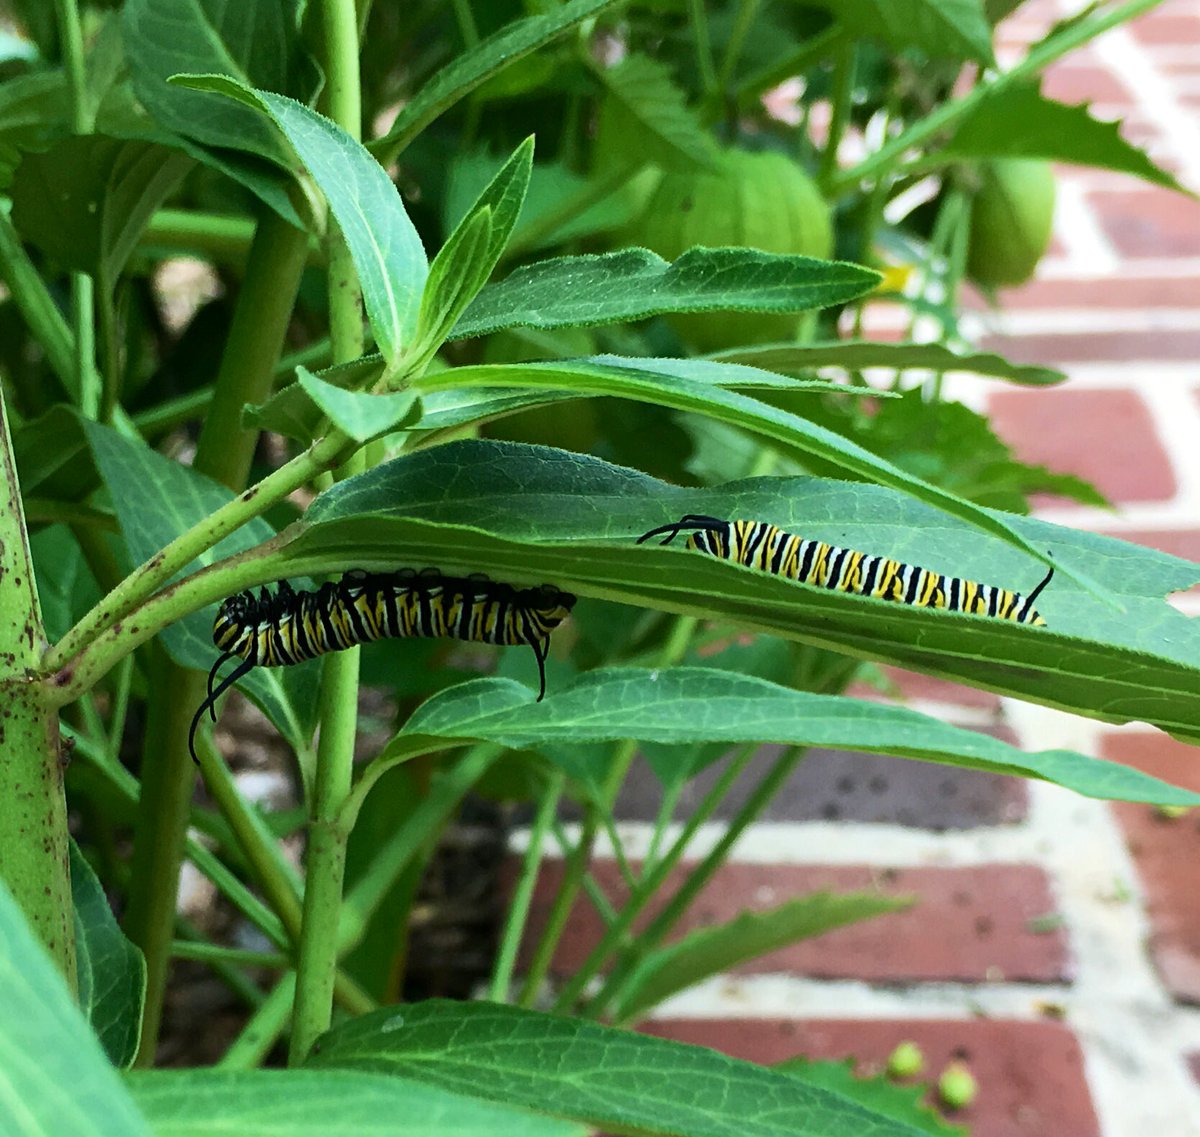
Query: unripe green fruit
[
  {"x": 957, "y": 1086},
  {"x": 1011, "y": 221},
  {"x": 761, "y": 201},
  {"x": 906, "y": 1061}
]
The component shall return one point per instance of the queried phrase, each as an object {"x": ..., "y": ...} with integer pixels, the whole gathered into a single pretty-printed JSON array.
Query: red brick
[
  {"x": 1125, "y": 293},
  {"x": 1106, "y": 437},
  {"x": 968, "y": 925},
  {"x": 1077, "y": 82},
  {"x": 1150, "y": 222},
  {"x": 1031, "y": 1076},
  {"x": 1166, "y": 850},
  {"x": 912, "y": 685},
  {"x": 1183, "y": 543},
  {"x": 1168, "y": 28},
  {"x": 1055, "y": 349}
]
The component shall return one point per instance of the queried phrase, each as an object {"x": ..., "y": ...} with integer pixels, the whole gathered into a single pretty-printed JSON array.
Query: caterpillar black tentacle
[
  {"x": 286, "y": 627},
  {"x": 760, "y": 545}
]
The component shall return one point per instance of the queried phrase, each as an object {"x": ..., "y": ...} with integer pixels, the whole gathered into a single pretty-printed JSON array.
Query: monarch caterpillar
[
  {"x": 290, "y": 627},
  {"x": 760, "y": 545}
]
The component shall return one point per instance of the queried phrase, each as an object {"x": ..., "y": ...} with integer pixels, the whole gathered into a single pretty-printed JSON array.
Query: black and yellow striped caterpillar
[
  {"x": 290, "y": 627},
  {"x": 760, "y": 545}
]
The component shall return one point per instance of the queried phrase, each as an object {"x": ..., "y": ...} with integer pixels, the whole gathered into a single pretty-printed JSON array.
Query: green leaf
[
  {"x": 53, "y": 457},
  {"x": 322, "y": 1103},
  {"x": 710, "y": 951},
  {"x": 701, "y": 704},
  {"x": 645, "y": 109},
  {"x": 361, "y": 416},
  {"x": 492, "y": 55},
  {"x": 904, "y": 1103},
  {"x": 860, "y": 354},
  {"x": 87, "y": 199},
  {"x": 111, "y": 970},
  {"x": 386, "y": 249},
  {"x": 65, "y": 585},
  {"x": 635, "y": 283},
  {"x": 54, "y": 1078},
  {"x": 941, "y": 29},
  {"x": 608, "y": 1078},
  {"x": 530, "y": 514},
  {"x": 258, "y": 44},
  {"x": 457, "y": 274},
  {"x": 156, "y": 500},
  {"x": 1018, "y": 121}
]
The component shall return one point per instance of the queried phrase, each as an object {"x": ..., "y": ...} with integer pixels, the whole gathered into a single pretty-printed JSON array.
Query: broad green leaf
[
  {"x": 645, "y": 109},
  {"x": 66, "y": 587},
  {"x": 53, "y": 457},
  {"x": 701, "y": 704},
  {"x": 530, "y": 514},
  {"x": 860, "y": 354},
  {"x": 635, "y": 283},
  {"x": 710, "y": 951},
  {"x": 111, "y": 970},
  {"x": 386, "y": 249},
  {"x": 492, "y": 55},
  {"x": 257, "y": 44},
  {"x": 611, "y": 1079},
  {"x": 672, "y": 385},
  {"x": 87, "y": 199},
  {"x": 950, "y": 29},
  {"x": 1018, "y": 121},
  {"x": 905, "y": 1103},
  {"x": 156, "y": 500},
  {"x": 360, "y": 415},
  {"x": 54, "y": 1077},
  {"x": 323, "y": 1103}
]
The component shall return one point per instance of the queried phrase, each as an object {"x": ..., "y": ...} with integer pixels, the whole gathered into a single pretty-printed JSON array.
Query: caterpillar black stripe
[
  {"x": 760, "y": 545},
  {"x": 275, "y": 630}
]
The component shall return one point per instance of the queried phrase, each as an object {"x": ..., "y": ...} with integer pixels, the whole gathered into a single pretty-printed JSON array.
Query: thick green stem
[
  {"x": 33, "y": 812},
  {"x": 326, "y": 863}
]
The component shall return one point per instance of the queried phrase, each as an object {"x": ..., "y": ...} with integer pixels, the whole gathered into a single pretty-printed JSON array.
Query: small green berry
[
  {"x": 957, "y": 1086},
  {"x": 906, "y": 1061}
]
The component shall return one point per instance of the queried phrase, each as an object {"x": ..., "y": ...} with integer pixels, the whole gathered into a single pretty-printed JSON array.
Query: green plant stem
[
  {"x": 743, "y": 20},
  {"x": 217, "y": 237},
  {"x": 1039, "y": 57},
  {"x": 662, "y": 820},
  {"x": 698, "y": 18},
  {"x": 33, "y": 812},
  {"x": 595, "y": 893},
  {"x": 843, "y": 95},
  {"x": 518, "y": 909},
  {"x": 796, "y": 62},
  {"x": 217, "y": 953},
  {"x": 326, "y": 861},
  {"x": 615, "y": 935},
  {"x": 619, "y": 981},
  {"x": 37, "y": 307},
  {"x": 465, "y": 18},
  {"x": 263, "y": 1029}
]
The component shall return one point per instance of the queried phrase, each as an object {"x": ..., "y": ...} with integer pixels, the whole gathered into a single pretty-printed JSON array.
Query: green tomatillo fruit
[
  {"x": 757, "y": 200},
  {"x": 1011, "y": 220}
]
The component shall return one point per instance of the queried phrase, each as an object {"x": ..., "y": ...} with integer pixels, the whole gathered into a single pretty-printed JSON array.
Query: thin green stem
[
  {"x": 743, "y": 20},
  {"x": 595, "y": 893},
  {"x": 1039, "y": 57},
  {"x": 218, "y": 953},
  {"x": 618, "y": 983},
  {"x": 518, "y": 910},
  {"x": 698, "y": 18},
  {"x": 617, "y": 932},
  {"x": 662, "y": 821},
  {"x": 465, "y": 18},
  {"x": 843, "y": 97},
  {"x": 263, "y": 1029},
  {"x": 796, "y": 62}
]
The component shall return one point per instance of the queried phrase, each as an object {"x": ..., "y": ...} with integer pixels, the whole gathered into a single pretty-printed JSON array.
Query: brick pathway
[{"x": 1056, "y": 943}]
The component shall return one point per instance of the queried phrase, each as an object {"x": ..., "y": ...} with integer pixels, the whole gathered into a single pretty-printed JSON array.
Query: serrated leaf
[
  {"x": 904, "y": 1103},
  {"x": 705, "y": 952},
  {"x": 387, "y": 251},
  {"x": 646, "y": 110},
  {"x": 46, "y": 1046},
  {"x": 1018, "y": 121},
  {"x": 360, "y": 415},
  {"x": 87, "y": 199},
  {"x": 155, "y": 501},
  {"x": 860, "y": 354},
  {"x": 487, "y": 58},
  {"x": 940, "y": 29},
  {"x": 610, "y": 1079},
  {"x": 635, "y": 283},
  {"x": 529, "y": 514},
  {"x": 699, "y": 704},
  {"x": 111, "y": 972},
  {"x": 323, "y": 1103}
]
